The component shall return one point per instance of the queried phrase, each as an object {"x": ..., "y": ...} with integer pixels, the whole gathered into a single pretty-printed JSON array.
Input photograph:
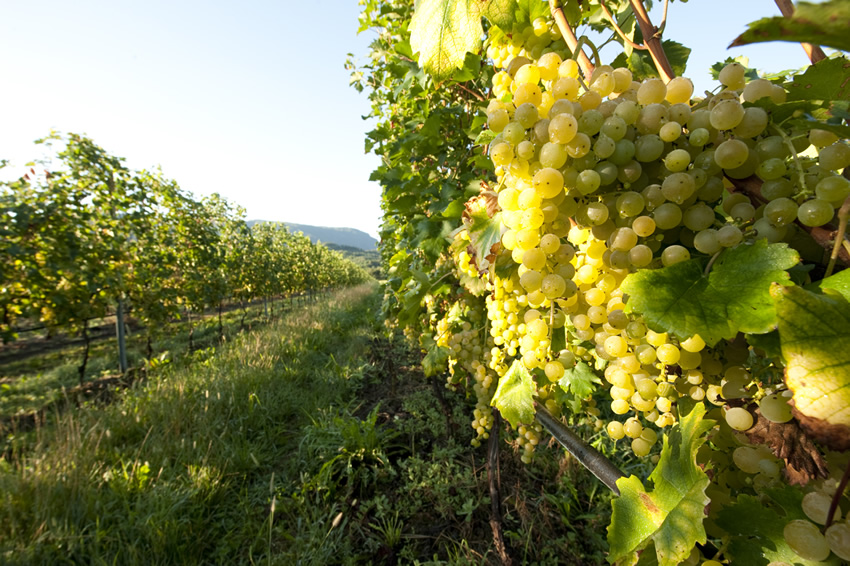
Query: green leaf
[
  {"x": 839, "y": 282},
  {"x": 825, "y": 23},
  {"x": 485, "y": 137},
  {"x": 443, "y": 32},
  {"x": 756, "y": 532},
  {"x": 825, "y": 80},
  {"x": 641, "y": 65},
  {"x": 579, "y": 380},
  {"x": 814, "y": 331},
  {"x": 671, "y": 515},
  {"x": 514, "y": 395},
  {"x": 500, "y": 12},
  {"x": 734, "y": 297}
]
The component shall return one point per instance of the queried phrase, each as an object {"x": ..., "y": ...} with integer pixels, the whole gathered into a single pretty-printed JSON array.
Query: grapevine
[{"x": 657, "y": 263}]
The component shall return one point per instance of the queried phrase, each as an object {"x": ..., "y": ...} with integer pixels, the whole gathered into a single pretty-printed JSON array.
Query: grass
[{"x": 296, "y": 443}]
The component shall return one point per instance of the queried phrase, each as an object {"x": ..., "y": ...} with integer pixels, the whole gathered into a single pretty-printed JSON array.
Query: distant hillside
[{"x": 348, "y": 237}]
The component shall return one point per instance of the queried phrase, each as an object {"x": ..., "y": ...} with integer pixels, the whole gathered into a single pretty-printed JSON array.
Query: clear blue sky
[{"x": 249, "y": 99}]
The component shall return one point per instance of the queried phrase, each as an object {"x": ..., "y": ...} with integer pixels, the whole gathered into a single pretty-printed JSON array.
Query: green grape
[
  {"x": 806, "y": 540},
  {"x": 641, "y": 447},
  {"x": 772, "y": 147},
  {"x": 726, "y": 114},
  {"x": 743, "y": 211},
  {"x": 667, "y": 216},
  {"x": 731, "y": 154},
  {"x": 648, "y": 148},
  {"x": 679, "y": 90},
  {"x": 588, "y": 181},
  {"x": 770, "y": 169},
  {"x": 781, "y": 211},
  {"x": 590, "y": 122},
  {"x": 604, "y": 146},
  {"x": 527, "y": 115},
  {"x": 596, "y": 213},
  {"x": 614, "y": 127},
  {"x": 706, "y": 241},
  {"x": 630, "y": 204},
  {"x": 632, "y": 427},
  {"x": 729, "y": 236},
  {"x": 607, "y": 172},
  {"x": 739, "y": 418},
  {"x": 562, "y": 128},
  {"x": 816, "y": 507},
  {"x": 670, "y": 132},
  {"x": 678, "y": 187},
  {"x": 764, "y": 229},
  {"x": 643, "y": 226},
  {"x": 651, "y": 91},
  {"x": 777, "y": 188},
  {"x": 553, "y": 155},
  {"x": 733, "y": 199},
  {"x": 674, "y": 254},
  {"x": 711, "y": 191},
  {"x": 579, "y": 146},
  {"x": 754, "y": 122},
  {"x": 700, "y": 119},
  {"x": 651, "y": 119},
  {"x": 525, "y": 150},
  {"x": 501, "y": 153},
  {"x": 698, "y": 217},
  {"x": 498, "y": 119},
  {"x": 757, "y": 89},
  {"x": 640, "y": 255},
  {"x": 653, "y": 197},
  {"x": 833, "y": 189},
  {"x": 677, "y": 160},
  {"x": 698, "y": 137},
  {"x": 815, "y": 212},
  {"x": 623, "y": 152},
  {"x": 628, "y": 111},
  {"x": 622, "y": 239},
  {"x": 821, "y": 138},
  {"x": 615, "y": 430},
  {"x": 705, "y": 161},
  {"x": 732, "y": 75},
  {"x": 838, "y": 539}
]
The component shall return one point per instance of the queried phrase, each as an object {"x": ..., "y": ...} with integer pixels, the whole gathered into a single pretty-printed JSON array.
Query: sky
[{"x": 248, "y": 99}]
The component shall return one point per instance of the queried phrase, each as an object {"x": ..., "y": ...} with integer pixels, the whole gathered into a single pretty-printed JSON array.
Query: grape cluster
[{"x": 601, "y": 177}]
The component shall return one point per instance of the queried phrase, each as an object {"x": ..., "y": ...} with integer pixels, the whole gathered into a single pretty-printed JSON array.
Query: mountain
[{"x": 348, "y": 237}]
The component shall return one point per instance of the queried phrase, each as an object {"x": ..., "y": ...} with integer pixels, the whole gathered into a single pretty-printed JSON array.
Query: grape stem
[
  {"x": 843, "y": 212},
  {"x": 814, "y": 52},
  {"x": 590, "y": 458},
  {"x": 494, "y": 479},
  {"x": 617, "y": 28},
  {"x": 711, "y": 263},
  {"x": 839, "y": 491},
  {"x": 570, "y": 37},
  {"x": 652, "y": 40}
]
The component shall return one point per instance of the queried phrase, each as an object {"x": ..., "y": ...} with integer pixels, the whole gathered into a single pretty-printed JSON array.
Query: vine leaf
[
  {"x": 671, "y": 515},
  {"x": 514, "y": 395},
  {"x": 483, "y": 222},
  {"x": 840, "y": 282},
  {"x": 814, "y": 333},
  {"x": 579, "y": 380},
  {"x": 756, "y": 529},
  {"x": 825, "y": 23},
  {"x": 734, "y": 297},
  {"x": 444, "y": 31}
]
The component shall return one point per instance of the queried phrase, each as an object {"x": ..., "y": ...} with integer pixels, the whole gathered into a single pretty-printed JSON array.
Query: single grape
[
  {"x": 816, "y": 507},
  {"x": 732, "y": 75},
  {"x": 805, "y": 539},
  {"x": 815, "y": 212},
  {"x": 674, "y": 254},
  {"x": 739, "y": 418},
  {"x": 726, "y": 115},
  {"x": 834, "y": 157},
  {"x": 838, "y": 539},
  {"x": 781, "y": 211},
  {"x": 731, "y": 154}
]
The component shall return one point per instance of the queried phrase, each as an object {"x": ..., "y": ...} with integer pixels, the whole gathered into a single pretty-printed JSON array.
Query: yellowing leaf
[
  {"x": 443, "y": 32},
  {"x": 671, "y": 515},
  {"x": 814, "y": 333}
]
